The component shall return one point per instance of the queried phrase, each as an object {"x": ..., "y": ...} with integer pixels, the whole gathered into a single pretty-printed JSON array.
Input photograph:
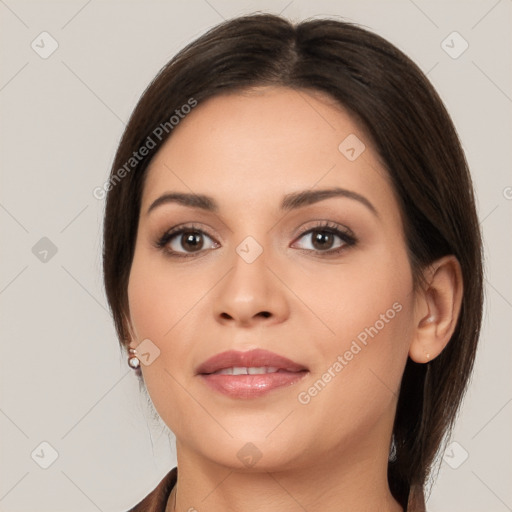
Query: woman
[{"x": 292, "y": 258}]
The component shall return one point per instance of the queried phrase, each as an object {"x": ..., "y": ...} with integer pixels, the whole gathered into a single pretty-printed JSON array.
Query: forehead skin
[{"x": 274, "y": 141}]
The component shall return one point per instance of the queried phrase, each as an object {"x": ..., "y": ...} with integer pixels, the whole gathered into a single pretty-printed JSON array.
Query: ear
[{"x": 437, "y": 308}]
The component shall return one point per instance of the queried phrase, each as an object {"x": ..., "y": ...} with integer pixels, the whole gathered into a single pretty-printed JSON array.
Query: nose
[{"x": 251, "y": 294}]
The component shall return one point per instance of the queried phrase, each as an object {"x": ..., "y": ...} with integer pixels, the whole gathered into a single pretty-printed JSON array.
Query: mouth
[{"x": 250, "y": 374}]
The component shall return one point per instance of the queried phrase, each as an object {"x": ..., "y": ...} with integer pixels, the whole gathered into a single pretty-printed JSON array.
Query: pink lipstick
[{"x": 249, "y": 374}]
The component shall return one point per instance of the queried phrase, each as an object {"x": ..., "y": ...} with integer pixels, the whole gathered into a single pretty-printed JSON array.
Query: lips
[
  {"x": 249, "y": 374},
  {"x": 251, "y": 359}
]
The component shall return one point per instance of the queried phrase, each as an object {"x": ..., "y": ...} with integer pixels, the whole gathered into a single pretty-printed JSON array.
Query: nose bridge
[{"x": 250, "y": 291}]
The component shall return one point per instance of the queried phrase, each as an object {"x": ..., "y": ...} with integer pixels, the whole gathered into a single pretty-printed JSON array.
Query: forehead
[{"x": 263, "y": 143}]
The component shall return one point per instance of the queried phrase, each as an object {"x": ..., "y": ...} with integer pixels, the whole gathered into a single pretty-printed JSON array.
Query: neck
[{"x": 327, "y": 484}]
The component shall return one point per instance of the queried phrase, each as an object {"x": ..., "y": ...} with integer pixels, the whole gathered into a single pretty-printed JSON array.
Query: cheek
[
  {"x": 158, "y": 299},
  {"x": 158, "y": 307},
  {"x": 367, "y": 298},
  {"x": 370, "y": 308},
  {"x": 150, "y": 305}
]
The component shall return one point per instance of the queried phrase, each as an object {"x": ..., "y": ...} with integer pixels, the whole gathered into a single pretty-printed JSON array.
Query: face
[{"x": 312, "y": 291}]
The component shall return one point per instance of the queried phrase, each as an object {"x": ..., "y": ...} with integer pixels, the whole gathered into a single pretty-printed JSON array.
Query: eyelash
[{"x": 345, "y": 234}]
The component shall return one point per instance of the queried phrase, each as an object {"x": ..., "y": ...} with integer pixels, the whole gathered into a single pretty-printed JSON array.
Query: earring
[
  {"x": 133, "y": 360},
  {"x": 428, "y": 356}
]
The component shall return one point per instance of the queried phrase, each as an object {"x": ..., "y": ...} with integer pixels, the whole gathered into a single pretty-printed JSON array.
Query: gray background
[{"x": 63, "y": 379}]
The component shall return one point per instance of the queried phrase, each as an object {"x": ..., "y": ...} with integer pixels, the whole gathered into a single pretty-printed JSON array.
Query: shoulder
[{"x": 156, "y": 500}]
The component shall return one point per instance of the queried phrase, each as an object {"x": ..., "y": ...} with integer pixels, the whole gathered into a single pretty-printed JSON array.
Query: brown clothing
[{"x": 156, "y": 500}]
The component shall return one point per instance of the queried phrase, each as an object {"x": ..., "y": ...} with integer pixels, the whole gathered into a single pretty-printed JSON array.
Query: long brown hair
[{"x": 415, "y": 140}]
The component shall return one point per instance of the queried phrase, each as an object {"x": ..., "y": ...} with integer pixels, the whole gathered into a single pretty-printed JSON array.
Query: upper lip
[{"x": 248, "y": 359}]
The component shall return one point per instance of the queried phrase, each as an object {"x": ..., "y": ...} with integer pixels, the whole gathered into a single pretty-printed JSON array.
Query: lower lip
[{"x": 251, "y": 386}]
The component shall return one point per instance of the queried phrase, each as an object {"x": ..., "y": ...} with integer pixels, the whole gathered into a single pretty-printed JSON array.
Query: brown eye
[
  {"x": 322, "y": 240},
  {"x": 185, "y": 242},
  {"x": 191, "y": 240},
  {"x": 326, "y": 239}
]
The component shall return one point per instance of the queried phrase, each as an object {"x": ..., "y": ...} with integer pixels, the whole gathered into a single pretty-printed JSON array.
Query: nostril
[{"x": 264, "y": 314}]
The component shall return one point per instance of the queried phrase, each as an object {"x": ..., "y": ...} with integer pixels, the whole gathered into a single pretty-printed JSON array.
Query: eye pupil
[
  {"x": 192, "y": 240},
  {"x": 321, "y": 237}
]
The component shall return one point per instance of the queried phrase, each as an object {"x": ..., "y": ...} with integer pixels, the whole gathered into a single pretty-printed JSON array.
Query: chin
[{"x": 250, "y": 449}]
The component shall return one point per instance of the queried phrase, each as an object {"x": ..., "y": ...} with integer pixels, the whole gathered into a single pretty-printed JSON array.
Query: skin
[{"x": 248, "y": 150}]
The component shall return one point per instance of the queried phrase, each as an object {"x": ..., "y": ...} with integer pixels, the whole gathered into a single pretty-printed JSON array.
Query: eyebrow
[{"x": 290, "y": 202}]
